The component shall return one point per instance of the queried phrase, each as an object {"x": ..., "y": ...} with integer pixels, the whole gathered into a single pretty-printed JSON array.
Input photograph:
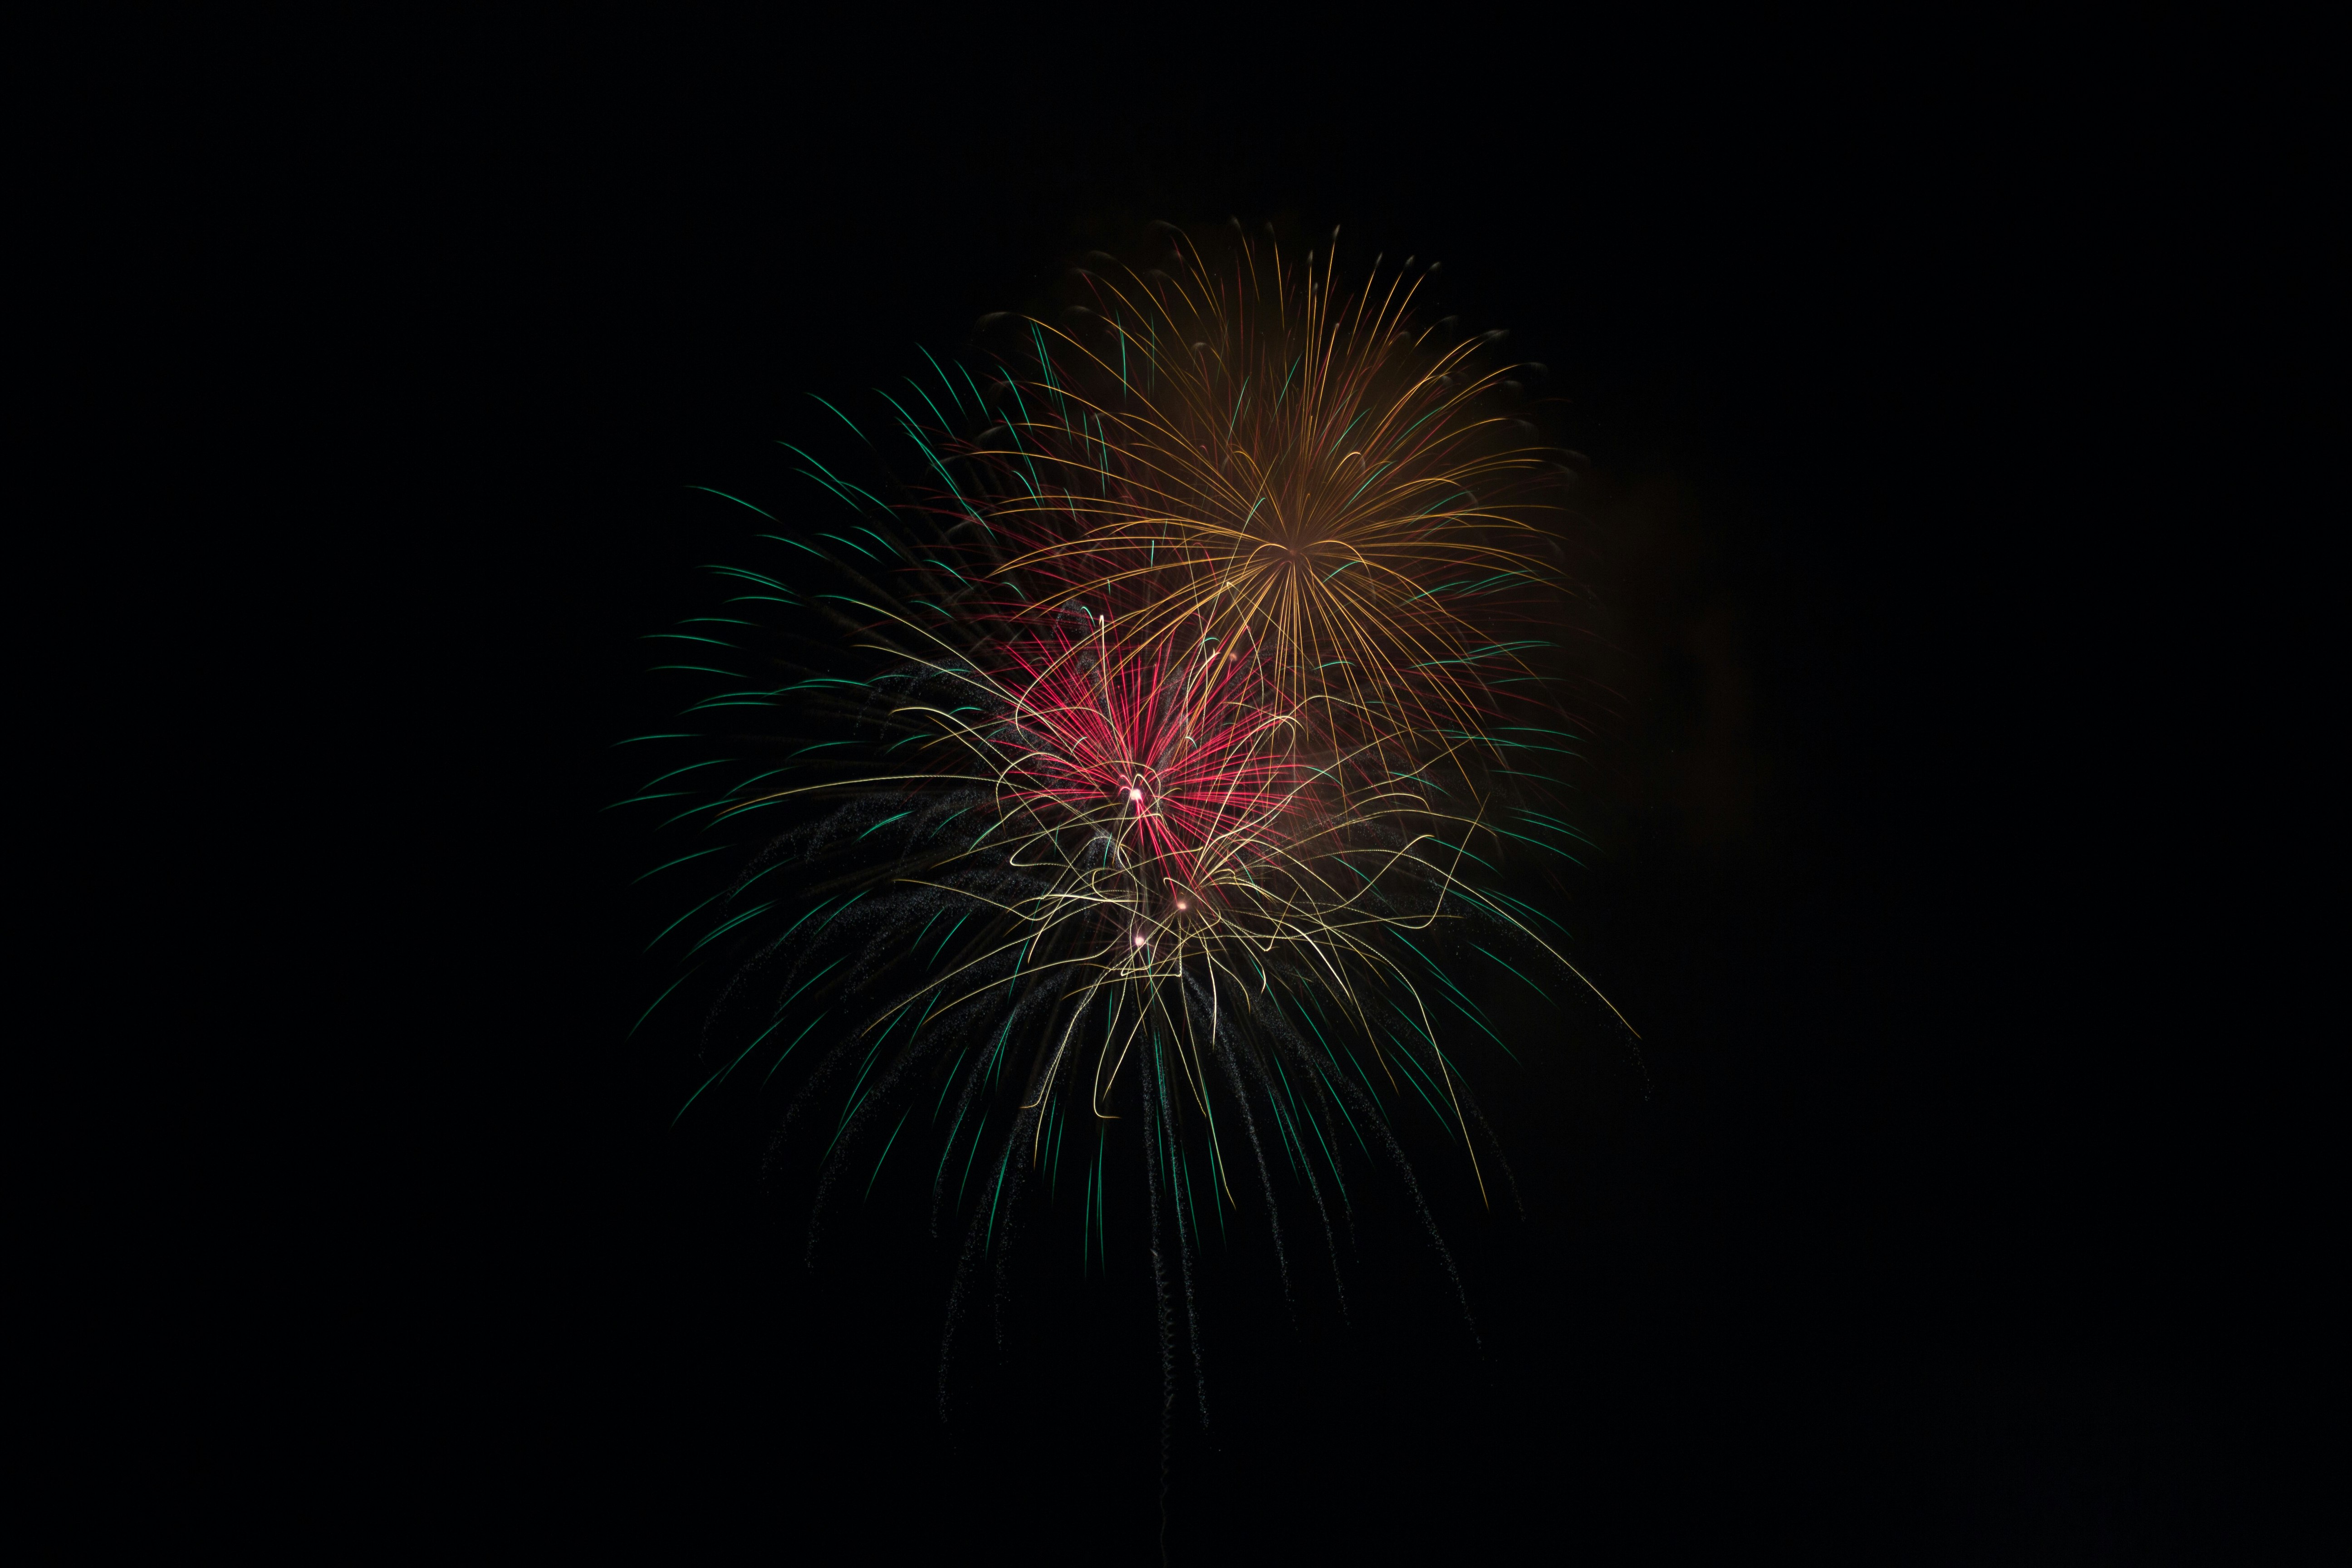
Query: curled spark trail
[{"x": 1127, "y": 756}]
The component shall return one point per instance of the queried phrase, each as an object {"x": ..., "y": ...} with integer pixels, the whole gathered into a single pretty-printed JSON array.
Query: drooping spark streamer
[{"x": 1135, "y": 768}]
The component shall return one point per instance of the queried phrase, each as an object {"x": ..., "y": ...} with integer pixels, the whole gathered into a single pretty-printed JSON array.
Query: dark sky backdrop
[{"x": 1874, "y": 1270}]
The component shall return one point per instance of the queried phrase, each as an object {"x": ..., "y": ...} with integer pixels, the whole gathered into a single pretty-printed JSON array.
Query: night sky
[{"x": 1867, "y": 1258}]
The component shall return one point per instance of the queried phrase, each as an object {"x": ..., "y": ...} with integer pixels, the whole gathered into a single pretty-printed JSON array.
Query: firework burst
[{"x": 1136, "y": 762}]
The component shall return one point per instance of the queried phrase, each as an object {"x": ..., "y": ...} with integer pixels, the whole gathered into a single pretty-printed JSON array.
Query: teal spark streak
[
  {"x": 714, "y": 1078},
  {"x": 803, "y": 1035},
  {"x": 1053, "y": 1170},
  {"x": 715, "y": 762},
  {"x": 853, "y": 899},
  {"x": 1001, "y": 1166},
  {"x": 1531, "y": 985},
  {"x": 795, "y": 543},
  {"x": 968, "y": 1158},
  {"x": 1368, "y": 479},
  {"x": 1522, "y": 904},
  {"x": 940, "y": 1103},
  {"x": 1459, "y": 850},
  {"x": 1412, "y": 1079},
  {"x": 947, "y": 938},
  {"x": 811, "y": 980},
  {"x": 755, "y": 778},
  {"x": 1339, "y": 1101},
  {"x": 885, "y": 1153},
  {"x": 927, "y": 926},
  {"x": 664, "y": 795},
  {"x": 855, "y": 1106},
  {"x": 738, "y": 500},
  {"x": 839, "y": 485},
  {"x": 680, "y": 861},
  {"x": 1312, "y": 1126},
  {"x": 679, "y": 921},
  {"x": 844, "y": 419},
  {"x": 659, "y": 1000},
  {"x": 944, "y": 377},
  {"x": 1482, "y": 1023},
  {"x": 1538, "y": 843},
  {"x": 731, "y": 925}
]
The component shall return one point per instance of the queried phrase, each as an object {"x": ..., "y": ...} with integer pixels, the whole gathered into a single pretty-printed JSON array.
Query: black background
[{"x": 1885, "y": 1256}]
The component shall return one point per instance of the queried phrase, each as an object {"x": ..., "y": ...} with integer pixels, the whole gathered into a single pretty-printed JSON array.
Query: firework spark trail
[{"x": 1193, "y": 703}]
